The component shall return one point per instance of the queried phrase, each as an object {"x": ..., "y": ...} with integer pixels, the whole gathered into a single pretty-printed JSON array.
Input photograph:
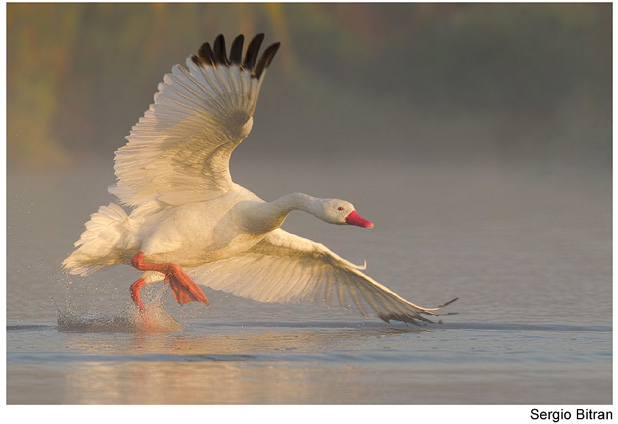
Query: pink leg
[
  {"x": 184, "y": 288},
  {"x": 135, "y": 289}
]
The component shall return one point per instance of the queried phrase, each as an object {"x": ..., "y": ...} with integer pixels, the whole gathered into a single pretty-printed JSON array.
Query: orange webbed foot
[
  {"x": 183, "y": 287},
  {"x": 185, "y": 290}
]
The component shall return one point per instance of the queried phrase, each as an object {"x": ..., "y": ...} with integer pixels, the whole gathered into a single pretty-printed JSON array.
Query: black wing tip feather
[
  {"x": 219, "y": 50},
  {"x": 266, "y": 59},
  {"x": 217, "y": 54},
  {"x": 236, "y": 50},
  {"x": 419, "y": 317},
  {"x": 252, "y": 51}
]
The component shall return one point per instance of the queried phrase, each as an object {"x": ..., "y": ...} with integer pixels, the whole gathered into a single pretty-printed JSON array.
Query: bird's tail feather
[{"x": 98, "y": 245}]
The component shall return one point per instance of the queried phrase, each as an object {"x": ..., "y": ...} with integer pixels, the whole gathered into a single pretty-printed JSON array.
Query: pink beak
[{"x": 355, "y": 219}]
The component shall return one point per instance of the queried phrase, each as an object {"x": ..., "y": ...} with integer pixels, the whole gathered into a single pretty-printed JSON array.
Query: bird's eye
[{"x": 340, "y": 208}]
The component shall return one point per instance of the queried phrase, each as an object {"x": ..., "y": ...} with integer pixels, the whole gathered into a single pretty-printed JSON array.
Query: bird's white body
[
  {"x": 186, "y": 212},
  {"x": 197, "y": 233}
]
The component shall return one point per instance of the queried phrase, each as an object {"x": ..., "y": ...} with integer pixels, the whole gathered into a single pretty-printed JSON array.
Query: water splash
[
  {"x": 93, "y": 317},
  {"x": 155, "y": 320}
]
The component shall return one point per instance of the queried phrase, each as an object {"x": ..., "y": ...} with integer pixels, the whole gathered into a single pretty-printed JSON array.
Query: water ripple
[{"x": 107, "y": 325}]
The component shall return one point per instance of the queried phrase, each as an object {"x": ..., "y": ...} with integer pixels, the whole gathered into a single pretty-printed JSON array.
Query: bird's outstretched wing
[
  {"x": 179, "y": 150},
  {"x": 284, "y": 267}
]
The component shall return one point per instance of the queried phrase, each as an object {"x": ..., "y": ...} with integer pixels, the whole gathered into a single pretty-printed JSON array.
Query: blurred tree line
[{"x": 80, "y": 75}]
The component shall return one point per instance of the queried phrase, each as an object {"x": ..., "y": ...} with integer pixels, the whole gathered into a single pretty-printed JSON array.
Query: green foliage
[{"x": 79, "y": 75}]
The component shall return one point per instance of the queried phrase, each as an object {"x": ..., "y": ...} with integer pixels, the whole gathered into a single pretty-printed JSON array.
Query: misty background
[
  {"x": 415, "y": 83},
  {"x": 477, "y": 137}
]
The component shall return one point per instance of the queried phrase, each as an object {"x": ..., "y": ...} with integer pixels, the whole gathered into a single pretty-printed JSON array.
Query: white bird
[{"x": 189, "y": 222}]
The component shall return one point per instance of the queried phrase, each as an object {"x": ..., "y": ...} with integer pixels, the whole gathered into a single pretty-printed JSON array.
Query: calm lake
[{"x": 528, "y": 252}]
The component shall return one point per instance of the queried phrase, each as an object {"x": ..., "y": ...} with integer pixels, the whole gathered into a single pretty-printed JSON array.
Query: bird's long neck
[{"x": 268, "y": 216}]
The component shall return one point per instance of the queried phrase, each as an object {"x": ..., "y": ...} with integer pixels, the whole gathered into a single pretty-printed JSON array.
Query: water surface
[{"x": 527, "y": 251}]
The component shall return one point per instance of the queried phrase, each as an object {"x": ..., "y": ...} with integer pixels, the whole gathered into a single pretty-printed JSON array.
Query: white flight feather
[
  {"x": 284, "y": 267},
  {"x": 178, "y": 152}
]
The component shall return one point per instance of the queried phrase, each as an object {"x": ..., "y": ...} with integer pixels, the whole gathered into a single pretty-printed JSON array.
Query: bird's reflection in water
[{"x": 227, "y": 365}]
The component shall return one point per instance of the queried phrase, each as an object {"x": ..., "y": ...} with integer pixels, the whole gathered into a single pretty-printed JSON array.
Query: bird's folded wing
[
  {"x": 179, "y": 150},
  {"x": 287, "y": 268}
]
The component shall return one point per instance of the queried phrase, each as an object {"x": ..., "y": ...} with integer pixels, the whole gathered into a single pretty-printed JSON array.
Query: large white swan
[{"x": 189, "y": 221}]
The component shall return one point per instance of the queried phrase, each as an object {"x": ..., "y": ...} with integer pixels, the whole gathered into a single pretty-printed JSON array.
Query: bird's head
[{"x": 335, "y": 211}]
